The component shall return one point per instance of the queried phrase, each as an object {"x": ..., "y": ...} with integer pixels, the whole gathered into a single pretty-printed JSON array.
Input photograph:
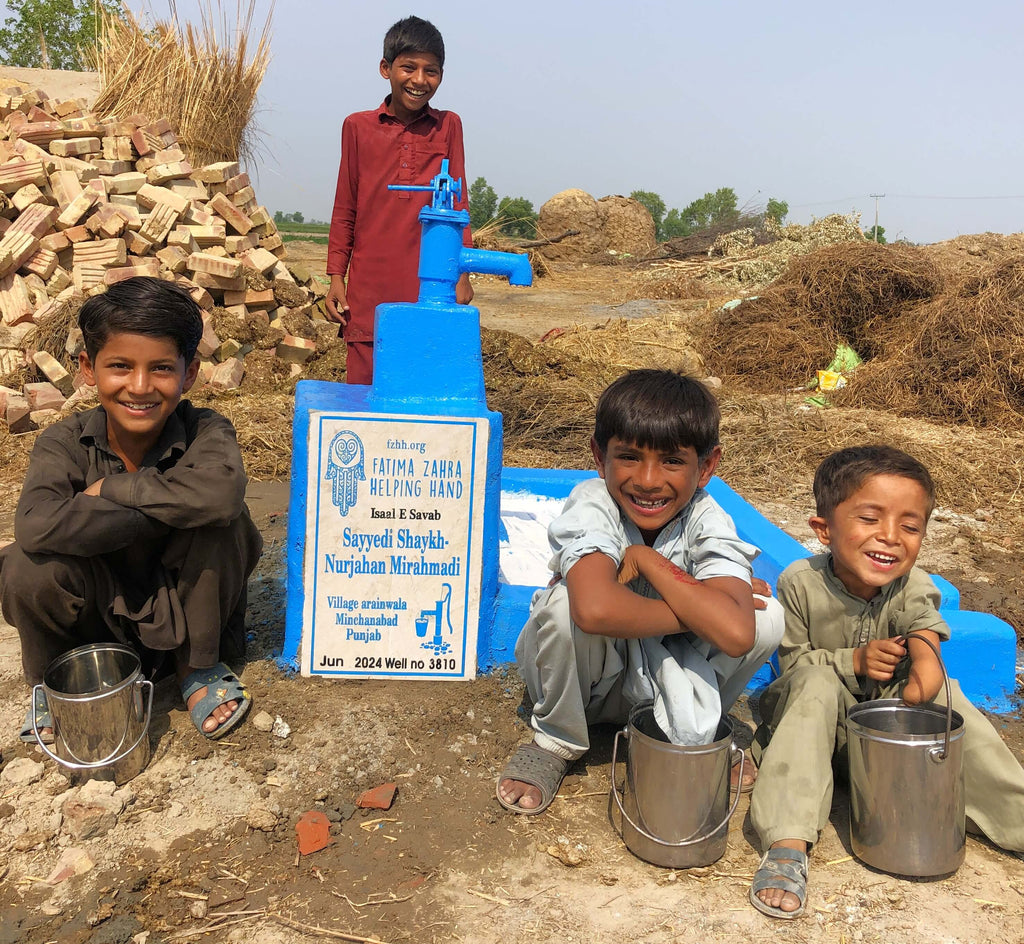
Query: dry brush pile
[{"x": 741, "y": 261}]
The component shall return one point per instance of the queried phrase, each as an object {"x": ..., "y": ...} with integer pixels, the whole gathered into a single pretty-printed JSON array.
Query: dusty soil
[{"x": 206, "y": 839}]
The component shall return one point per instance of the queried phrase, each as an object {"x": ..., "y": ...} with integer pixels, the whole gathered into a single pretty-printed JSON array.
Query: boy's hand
[
  {"x": 94, "y": 489},
  {"x": 760, "y": 588},
  {"x": 879, "y": 658},
  {"x": 629, "y": 569},
  {"x": 336, "y": 302},
  {"x": 464, "y": 289}
]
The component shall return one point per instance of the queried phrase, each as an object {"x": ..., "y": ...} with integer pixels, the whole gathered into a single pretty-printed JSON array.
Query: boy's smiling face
[
  {"x": 140, "y": 380},
  {"x": 875, "y": 535},
  {"x": 414, "y": 78},
  {"x": 652, "y": 486}
]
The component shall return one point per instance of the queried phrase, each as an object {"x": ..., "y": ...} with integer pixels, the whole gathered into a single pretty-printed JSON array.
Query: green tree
[
  {"x": 673, "y": 226},
  {"x": 876, "y": 234},
  {"x": 712, "y": 209},
  {"x": 483, "y": 201},
  {"x": 518, "y": 218},
  {"x": 776, "y": 210},
  {"x": 51, "y": 34},
  {"x": 655, "y": 206}
]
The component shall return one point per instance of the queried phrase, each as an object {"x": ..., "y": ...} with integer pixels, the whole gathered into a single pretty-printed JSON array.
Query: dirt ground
[{"x": 204, "y": 846}]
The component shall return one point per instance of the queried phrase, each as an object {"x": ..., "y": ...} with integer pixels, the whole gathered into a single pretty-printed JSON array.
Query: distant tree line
[
  {"x": 515, "y": 216},
  {"x": 51, "y": 34},
  {"x": 295, "y": 217},
  {"x": 712, "y": 210}
]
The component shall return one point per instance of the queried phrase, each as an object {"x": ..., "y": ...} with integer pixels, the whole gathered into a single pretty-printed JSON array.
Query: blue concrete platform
[{"x": 980, "y": 654}]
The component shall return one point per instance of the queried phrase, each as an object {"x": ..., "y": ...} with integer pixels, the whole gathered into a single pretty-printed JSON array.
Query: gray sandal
[
  {"x": 785, "y": 869},
  {"x": 537, "y": 767},
  {"x": 41, "y": 709}
]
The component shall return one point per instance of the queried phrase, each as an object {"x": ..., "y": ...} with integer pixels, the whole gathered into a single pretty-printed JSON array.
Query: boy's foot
[
  {"x": 779, "y": 889},
  {"x": 43, "y": 721},
  {"x": 215, "y": 699},
  {"x": 746, "y": 784},
  {"x": 530, "y": 780}
]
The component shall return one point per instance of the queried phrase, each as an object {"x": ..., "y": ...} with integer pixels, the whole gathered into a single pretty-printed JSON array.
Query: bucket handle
[
  {"x": 935, "y": 753},
  {"x": 643, "y": 832},
  {"x": 114, "y": 757}
]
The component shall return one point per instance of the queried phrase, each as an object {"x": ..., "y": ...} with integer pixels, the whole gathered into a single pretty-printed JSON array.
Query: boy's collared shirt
[
  {"x": 825, "y": 622},
  {"x": 702, "y": 540},
  {"x": 192, "y": 477},
  {"x": 375, "y": 232}
]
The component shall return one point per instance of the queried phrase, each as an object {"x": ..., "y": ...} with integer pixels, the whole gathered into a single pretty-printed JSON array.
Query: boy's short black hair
[
  {"x": 845, "y": 471},
  {"x": 658, "y": 409},
  {"x": 413, "y": 35},
  {"x": 142, "y": 305}
]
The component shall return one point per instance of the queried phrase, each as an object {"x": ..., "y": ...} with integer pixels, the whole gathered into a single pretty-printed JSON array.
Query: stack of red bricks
[{"x": 86, "y": 202}]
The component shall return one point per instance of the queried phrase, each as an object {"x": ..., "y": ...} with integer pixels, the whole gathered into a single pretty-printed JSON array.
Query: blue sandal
[
  {"x": 222, "y": 686},
  {"x": 43, "y": 719}
]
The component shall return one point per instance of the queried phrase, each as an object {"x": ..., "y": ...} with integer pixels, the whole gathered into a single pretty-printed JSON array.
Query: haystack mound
[
  {"x": 608, "y": 228},
  {"x": 852, "y": 293},
  {"x": 573, "y": 209},
  {"x": 628, "y": 226},
  {"x": 959, "y": 357}
]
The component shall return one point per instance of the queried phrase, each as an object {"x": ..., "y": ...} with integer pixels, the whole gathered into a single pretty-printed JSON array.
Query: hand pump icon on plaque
[{"x": 442, "y": 611}]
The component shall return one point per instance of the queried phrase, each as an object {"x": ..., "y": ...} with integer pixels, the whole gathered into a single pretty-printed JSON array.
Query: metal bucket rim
[
  {"x": 128, "y": 680},
  {"x": 857, "y": 726}
]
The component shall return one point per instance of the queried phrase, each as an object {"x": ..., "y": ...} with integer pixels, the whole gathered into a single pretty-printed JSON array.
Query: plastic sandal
[
  {"x": 781, "y": 868},
  {"x": 222, "y": 686},
  {"x": 43, "y": 720},
  {"x": 537, "y": 767}
]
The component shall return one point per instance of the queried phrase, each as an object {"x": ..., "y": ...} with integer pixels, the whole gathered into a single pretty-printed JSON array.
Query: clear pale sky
[{"x": 814, "y": 103}]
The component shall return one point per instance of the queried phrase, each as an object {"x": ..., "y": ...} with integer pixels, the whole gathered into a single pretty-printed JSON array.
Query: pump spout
[{"x": 514, "y": 265}]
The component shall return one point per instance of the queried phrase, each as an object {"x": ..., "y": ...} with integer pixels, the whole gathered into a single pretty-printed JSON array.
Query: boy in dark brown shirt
[{"x": 132, "y": 525}]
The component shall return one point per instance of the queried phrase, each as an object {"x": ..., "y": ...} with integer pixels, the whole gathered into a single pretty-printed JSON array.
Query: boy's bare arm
[
  {"x": 925, "y": 671},
  {"x": 719, "y": 610},
  {"x": 600, "y": 605}
]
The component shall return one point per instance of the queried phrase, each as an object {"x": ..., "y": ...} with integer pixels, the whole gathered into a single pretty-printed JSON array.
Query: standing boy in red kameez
[{"x": 375, "y": 232}]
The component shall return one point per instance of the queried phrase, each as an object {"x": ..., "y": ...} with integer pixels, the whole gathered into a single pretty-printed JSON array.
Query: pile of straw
[
  {"x": 959, "y": 358},
  {"x": 851, "y": 292},
  {"x": 203, "y": 80}
]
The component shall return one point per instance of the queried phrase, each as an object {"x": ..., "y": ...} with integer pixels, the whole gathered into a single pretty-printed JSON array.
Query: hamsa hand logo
[{"x": 345, "y": 467}]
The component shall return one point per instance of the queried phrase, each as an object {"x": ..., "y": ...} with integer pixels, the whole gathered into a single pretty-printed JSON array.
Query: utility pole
[{"x": 877, "y": 197}]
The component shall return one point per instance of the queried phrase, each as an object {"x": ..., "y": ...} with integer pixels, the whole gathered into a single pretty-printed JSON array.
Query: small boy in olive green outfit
[{"x": 847, "y": 615}]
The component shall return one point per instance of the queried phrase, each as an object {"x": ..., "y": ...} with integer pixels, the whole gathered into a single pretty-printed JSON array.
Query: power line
[{"x": 905, "y": 196}]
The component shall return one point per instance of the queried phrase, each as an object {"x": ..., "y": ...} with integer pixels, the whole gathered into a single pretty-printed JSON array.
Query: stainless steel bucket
[
  {"x": 95, "y": 694},
  {"x": 675, "y": 806},
  {"x": 907, "y": 786}
]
